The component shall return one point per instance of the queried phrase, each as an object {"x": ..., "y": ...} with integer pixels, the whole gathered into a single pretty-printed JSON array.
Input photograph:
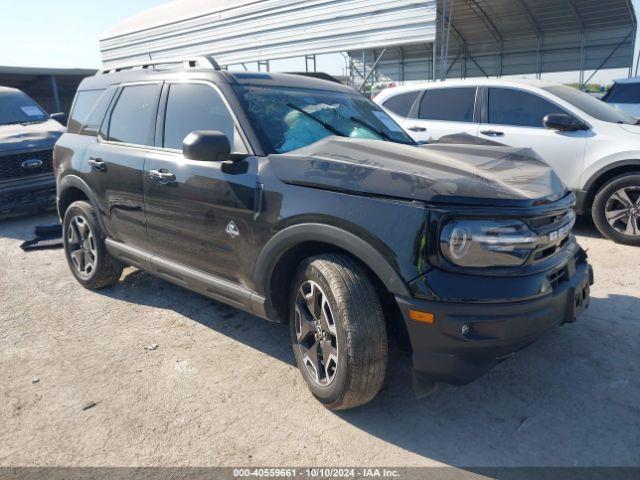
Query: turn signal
[{"x": 423, "y": 317}]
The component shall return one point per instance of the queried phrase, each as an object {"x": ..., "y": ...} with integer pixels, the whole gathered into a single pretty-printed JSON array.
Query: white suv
[{"x": 593, "y": 147}]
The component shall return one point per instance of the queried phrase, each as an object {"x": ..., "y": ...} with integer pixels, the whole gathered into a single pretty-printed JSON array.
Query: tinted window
[
  {"x": 194, "y": 107},
  {"x": 515, "y": 107},
  {"x": 451, "y": 104},
  {"x": 401, "y": 104},
  {"x": 134, "y": 115},
  {"x": 624, "y": 93},
  {"x": 82, "y": 106},
  {"x": 17, "y": 107},
  {"x": 591, "y": 106},
  {"x": 93, "y": 120}
]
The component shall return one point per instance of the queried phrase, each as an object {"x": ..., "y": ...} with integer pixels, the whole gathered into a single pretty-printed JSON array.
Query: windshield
[
  {"x": 591, "y": 105},
  {"x": 286, "y": 118},
  {"x": 17, "y": 107}
]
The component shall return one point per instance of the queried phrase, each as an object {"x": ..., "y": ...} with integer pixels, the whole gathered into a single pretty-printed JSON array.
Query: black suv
[
  {"x": 302, "y": 202},
  {"x": 27, "y": 135}
]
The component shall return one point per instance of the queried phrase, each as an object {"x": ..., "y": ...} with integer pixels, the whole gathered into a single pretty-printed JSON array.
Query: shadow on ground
[{"x": 566, "y": 400}]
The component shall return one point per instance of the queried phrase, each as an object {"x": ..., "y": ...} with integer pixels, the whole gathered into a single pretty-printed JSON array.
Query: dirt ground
[{"x": 221, "y": 388}]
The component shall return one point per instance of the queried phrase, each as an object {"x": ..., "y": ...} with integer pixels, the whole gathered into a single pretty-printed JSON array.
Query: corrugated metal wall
[{"x": 274, "y": 29}]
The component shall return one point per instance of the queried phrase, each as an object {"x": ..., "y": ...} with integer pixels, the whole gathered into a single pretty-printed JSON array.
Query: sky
[{"x": 65, "y": 33}]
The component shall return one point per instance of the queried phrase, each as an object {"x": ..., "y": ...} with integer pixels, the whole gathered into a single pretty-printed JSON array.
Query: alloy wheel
[
  {"x": 622, "y": 211},
  {"x": 316, "y": 335},
  {"x": 81, "y": 246}
]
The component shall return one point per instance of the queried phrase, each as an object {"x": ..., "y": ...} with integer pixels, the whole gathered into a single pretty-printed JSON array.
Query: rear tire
[
  {"x": 335, "y": 307},
  {"x": 616, "y": 209},
  {"x": 85, "y": 250}
]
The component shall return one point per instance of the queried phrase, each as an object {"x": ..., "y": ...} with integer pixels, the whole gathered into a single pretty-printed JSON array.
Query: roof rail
[{"x": 207, "y": 62}]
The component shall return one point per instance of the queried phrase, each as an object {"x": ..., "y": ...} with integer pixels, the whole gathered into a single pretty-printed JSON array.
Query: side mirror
[
  {"x": 61, "y": 117},
  {"x": 563, "y": 122},
  {"x": 207, "y": 146}
]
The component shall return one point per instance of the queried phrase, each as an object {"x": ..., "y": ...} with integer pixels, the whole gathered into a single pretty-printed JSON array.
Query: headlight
[{"x": 487, "y": 243}]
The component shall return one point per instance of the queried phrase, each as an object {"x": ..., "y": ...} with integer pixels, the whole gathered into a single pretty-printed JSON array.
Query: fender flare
[
  {"x": 621, "y": 163},
  {"x": 291, "y": 236},
  {"x": 73, "y": 181}
]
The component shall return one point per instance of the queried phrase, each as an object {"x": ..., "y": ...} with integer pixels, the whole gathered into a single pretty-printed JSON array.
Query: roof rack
[{"x": 207, "y": 62}]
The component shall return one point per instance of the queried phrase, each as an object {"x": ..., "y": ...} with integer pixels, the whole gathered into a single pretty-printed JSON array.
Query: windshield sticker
[
  {"x": 390, "y": 124},
  {"x": 32, "y": 111}
]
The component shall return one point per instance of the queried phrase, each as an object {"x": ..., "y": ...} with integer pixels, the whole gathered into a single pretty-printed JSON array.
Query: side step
[{"x": 206, "y": 284}]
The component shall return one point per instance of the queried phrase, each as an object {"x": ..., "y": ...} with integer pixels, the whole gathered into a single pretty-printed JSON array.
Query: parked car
[
  {"x": 594, "y": 148},
  {"x": 27, "y": 135},
  {"x": 302, "y": 202},
  {"x": 625, "y": 95}
]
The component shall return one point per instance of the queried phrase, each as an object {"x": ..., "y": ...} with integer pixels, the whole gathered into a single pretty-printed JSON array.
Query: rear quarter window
[
  {"x": 401, "y": 103},
  {"x": 83, "y": 104}
]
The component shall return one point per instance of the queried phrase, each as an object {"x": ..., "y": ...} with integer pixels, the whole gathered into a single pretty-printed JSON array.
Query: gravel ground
[{"x": 78, "y": 387}]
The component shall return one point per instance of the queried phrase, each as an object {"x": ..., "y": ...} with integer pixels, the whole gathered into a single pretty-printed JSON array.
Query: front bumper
[
  {"x": 27, "y": 195},
  {"x": 442, "y": 352}
]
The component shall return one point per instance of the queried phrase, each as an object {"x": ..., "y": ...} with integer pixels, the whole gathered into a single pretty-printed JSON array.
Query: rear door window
[
  {"x": 133, "y": 117},
  {"x": 193, "y": 106},
  {"x": 82, "y": 106},
  {"x": 448, "y": 104},
  {"x": 518, "y": 108},
  {"x": 401, "y": 103}
]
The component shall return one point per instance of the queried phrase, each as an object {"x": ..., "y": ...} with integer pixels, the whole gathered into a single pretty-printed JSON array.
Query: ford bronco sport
[{"x": 302, "y": 202}]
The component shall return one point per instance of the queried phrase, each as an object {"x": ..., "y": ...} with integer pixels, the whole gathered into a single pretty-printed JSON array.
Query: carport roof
[{"x": 548, "y": 35}]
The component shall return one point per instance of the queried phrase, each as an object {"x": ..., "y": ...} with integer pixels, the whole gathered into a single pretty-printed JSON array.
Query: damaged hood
[{"x": 442, "y": 173}]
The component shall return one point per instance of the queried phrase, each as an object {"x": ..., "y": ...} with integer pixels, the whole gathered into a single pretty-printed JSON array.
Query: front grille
[
  {"x": 25, "y": 164},
  {"x": 548, "y": 228}
]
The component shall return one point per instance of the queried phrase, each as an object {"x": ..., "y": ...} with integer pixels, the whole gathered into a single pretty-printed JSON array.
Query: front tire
[
  {"x": 616, "y": 209},
  {"x": 338, "y": 331},
  {"x": 85, "y": 250}
]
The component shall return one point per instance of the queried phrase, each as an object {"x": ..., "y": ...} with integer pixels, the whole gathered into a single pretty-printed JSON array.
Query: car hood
[
  {"x": 443, "y": 173},
  {"x": 31, "y": 136}
]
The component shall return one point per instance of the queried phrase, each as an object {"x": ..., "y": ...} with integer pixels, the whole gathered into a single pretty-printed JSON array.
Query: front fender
[{"x": 317, "y": 232}]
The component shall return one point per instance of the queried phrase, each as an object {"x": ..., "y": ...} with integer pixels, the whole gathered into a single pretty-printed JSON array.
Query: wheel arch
[
  {"x": 72, "y": 188},
  {"x": 602, "y": 176},
  {"x": 280, "y": 257}
]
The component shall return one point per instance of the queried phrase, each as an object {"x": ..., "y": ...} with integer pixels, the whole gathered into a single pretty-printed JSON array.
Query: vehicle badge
[
  {"x": 31, "y": 163},
  {"x": 232, "y": 229}
]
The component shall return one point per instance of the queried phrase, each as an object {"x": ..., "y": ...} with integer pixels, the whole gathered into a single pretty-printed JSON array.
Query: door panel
[
  {"x": 187, "y": 217},
  {"x": 115, "y": 174},
  {"x": 191, "y": 205},
  {"x": 443, "y": 111},
  {"x": 515, "y": 118}
]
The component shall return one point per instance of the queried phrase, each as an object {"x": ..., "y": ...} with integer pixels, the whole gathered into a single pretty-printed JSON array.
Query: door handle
[
  {"x": 492, "y": 133},
  {"x": 162, "y": 176},
  {"x": 415, "y": 128},
  {"x": 97, "y": 164}
]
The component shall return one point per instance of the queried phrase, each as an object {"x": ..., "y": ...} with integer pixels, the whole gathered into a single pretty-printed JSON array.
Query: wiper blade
[
  {"x": 381, "y": 133},
  {"x": 371, "y": 127},
  {"x": 32, "y": 123},
  {"x": 327, "y": 126}
]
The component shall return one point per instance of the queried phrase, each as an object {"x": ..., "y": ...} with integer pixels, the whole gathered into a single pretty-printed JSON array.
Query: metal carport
[{"x": 389, "y": 40}]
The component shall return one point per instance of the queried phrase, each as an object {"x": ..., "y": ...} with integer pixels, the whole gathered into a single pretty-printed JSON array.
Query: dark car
[
  {"x": 27, "y": 136},
  {"x": 302, "y": 202}
]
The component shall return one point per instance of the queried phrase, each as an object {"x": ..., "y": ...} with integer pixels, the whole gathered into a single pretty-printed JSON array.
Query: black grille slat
[
  {"x": 11, "y": 165},
  {"x": 546, "y": 224}
]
